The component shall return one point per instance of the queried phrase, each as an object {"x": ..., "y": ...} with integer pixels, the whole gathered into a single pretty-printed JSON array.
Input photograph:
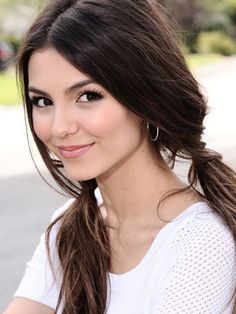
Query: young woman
[{"x": 111, "y": 104}]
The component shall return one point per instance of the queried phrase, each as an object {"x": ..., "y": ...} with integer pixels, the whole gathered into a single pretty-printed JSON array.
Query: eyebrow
[{"x": 68, "y": 91}]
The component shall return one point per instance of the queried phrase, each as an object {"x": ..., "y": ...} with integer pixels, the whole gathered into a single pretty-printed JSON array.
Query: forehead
[{"x": 47, "y": 66}]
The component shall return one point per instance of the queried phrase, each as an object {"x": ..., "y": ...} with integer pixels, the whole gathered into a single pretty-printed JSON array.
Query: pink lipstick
[{"x": 74, "y": 151}]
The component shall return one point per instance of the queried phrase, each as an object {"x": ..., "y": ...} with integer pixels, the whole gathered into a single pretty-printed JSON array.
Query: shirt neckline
[{"x": 159, "y": 238}]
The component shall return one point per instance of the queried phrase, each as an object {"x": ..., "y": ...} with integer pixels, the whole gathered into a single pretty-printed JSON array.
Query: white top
[{"x": 189, "y": 268}]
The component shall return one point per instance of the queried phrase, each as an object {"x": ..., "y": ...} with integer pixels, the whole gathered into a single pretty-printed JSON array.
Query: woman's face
[{"x": 78, "y": 120}]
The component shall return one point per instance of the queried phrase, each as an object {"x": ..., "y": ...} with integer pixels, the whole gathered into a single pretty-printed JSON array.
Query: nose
[{"x": 65, "y": 122}]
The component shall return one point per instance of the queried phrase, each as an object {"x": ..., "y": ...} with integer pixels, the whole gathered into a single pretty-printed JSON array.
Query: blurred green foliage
[
  {"x": 196, "y": 16},
  {"x": 216, "y": 42},
  {"x": 230, "y": 9}
]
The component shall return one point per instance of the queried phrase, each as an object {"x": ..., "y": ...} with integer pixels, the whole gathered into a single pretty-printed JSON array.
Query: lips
[{"x": 75, "y": 150}]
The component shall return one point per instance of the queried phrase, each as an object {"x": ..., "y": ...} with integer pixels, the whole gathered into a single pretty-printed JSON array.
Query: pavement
[{"x": 27, "y": 203}]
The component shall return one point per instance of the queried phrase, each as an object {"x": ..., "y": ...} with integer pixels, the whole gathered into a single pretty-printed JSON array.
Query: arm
[{"x": 26, "y": 306}]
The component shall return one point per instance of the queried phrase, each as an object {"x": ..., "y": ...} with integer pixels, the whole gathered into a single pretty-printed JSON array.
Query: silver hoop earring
[{"x": 156, "y": 133}]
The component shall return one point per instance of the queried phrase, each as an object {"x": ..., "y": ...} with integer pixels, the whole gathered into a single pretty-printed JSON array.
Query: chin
[{"x": 79, "y": 176}]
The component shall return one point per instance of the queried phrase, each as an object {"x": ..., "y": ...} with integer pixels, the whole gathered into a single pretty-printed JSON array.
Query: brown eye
[
  {"x": 41, "y": 102},
  {"x": 90, "y": 96}
]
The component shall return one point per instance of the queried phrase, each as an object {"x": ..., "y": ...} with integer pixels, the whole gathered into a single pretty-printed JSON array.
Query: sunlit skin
[{"x": 130, "y": 174}]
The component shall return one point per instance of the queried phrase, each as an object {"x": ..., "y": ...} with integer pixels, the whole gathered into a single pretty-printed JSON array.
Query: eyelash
[
  {"x": 97, "y": 94},
  {"x": 35, "y": 101}
]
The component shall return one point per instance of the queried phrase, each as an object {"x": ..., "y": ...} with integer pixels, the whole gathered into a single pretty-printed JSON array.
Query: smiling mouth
[{"x": 74, "y": 151}]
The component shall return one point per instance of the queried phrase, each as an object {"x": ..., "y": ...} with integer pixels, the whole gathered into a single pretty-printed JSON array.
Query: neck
[{"x": 132, "y": 192}]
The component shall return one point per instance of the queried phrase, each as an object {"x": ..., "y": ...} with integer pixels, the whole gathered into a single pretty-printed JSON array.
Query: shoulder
[
  {"x": 207, "y": 231},
  {"x": 202, "y": 277},
  {"x": 209, "y": 225},
  {"x": 206, "y": 244}
]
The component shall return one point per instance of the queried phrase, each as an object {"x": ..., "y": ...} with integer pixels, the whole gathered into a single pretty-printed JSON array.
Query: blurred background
[{"x": 207, "y": 30}]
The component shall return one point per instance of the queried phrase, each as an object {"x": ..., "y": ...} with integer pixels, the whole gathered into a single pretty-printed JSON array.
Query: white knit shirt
[{"x": 189, "y": 268}]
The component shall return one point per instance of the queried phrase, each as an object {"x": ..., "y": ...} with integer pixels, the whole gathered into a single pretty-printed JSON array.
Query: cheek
[
  {"x": 115, "y": 127},
  {"x": 106, "y": 123},
  {"x": 41, "y": 127}
]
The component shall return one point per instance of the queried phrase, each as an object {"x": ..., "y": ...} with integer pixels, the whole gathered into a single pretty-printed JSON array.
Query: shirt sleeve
[
  {"x": 39, "y": 283},
  {"x": 202, "y": 279}
]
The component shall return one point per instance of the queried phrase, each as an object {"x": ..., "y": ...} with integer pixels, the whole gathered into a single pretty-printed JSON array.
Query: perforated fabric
[
  {"x": 190, "y": 268},
  {"x": 203, "y": 276}
]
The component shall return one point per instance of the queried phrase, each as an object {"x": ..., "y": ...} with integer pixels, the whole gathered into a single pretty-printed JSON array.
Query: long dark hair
[{"x": 129, "y": 49}]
